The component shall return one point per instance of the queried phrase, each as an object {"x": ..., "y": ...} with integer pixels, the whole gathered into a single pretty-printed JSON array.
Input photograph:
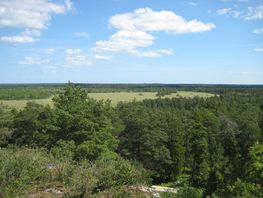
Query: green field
[{"x": 115, "y": 97}]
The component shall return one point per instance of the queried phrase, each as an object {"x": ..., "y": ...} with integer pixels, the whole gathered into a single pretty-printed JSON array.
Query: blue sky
[{"x": 131, "y": 41}]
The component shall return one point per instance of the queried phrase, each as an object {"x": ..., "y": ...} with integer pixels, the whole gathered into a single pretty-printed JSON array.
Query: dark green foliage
[
  {"x": 210, "y": 140},
  {"x": 144, "y": 140},
  {"x": 200, "y": 156},
  {"x": 64, "y": 149},
  {"x": 165, "y": 91},
  {"x": 81, "y": 119},
  {"x": 34, "y": 126},
  {"x": 6, "y": 121}
]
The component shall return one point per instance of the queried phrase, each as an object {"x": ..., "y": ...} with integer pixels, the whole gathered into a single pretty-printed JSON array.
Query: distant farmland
[{"x": 115, "y": 97}]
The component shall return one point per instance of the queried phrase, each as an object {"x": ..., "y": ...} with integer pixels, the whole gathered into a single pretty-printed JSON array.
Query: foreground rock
[{"x": 154, "y": 190}]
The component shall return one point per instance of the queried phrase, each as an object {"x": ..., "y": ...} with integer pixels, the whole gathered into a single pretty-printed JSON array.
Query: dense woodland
[{"x": 204, "y": 147}]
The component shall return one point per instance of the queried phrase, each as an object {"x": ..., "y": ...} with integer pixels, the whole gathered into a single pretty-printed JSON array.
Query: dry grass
[{"x": 115, "y": 97}]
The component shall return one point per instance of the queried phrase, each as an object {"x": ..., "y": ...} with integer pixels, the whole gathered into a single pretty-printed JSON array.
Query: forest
[{"x": 80, "y": 147}]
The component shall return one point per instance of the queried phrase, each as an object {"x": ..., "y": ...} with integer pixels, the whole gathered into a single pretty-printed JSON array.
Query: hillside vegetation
[{"x": 82, "y": 147}]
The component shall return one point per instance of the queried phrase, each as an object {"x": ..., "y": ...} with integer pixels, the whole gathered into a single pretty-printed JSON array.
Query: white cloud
[
  {"x": 125, "y": 41},
  {"x": 224, "y": 11},
  {"x": 75, "y": 57},
  {"x": 255, "y": 13},
  {"x": 133, "y": 31},
  {"x": 33, "y": 14},
  {"x": 29, "y": 60},
  {"x": 100, "y": 57},
  {"x": 145, "y": 19},
  {"x": 258, "y": 49},
  {"x": 258, "y": 31},
  {"x": 151, "y": 54},
  {"x": 228, "y": 11},
  {"x": 81, "y": 34},
  {"x": 18, "y": 39},
  {"x": 31, "y": 32},
  {"x": 27, "y": 36}
]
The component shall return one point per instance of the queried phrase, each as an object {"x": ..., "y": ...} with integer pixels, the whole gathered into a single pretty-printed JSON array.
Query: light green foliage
[
  {"x": 81, "y": 180},
  {"x": 121, "y": 192},
  {"x": 20, "y": 104},
  {"x": 20, "y": 168},
  {"x": 255, "y": 164},
  {"x": 24, "y": 171},
  {"x": 241, "y": 189},
  {"x": 118, "y": 172},
  {"x": 187, "y": 192}
]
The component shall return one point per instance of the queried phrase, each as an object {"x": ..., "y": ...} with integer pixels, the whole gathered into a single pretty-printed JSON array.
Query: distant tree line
[{"x": 26, "y": 93}]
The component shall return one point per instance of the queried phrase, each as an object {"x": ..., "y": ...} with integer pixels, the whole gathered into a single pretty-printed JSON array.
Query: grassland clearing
[{"x": 115, "y": 97}]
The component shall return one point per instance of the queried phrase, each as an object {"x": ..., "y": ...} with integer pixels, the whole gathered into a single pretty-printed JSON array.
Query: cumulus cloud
[
  {"x": 34, "y": 14},
  {"x": 75, "y": 57},
  {"x": 255, "y": 13},
  {"x": 125, "y": 41},
  {"x": 145, "y": 19},
  {"x": 29, "y": 60},
  {"x": 27, "y": 36},
  {"x": 133, "y": 31},
  {"x": 258, "y": 31}
]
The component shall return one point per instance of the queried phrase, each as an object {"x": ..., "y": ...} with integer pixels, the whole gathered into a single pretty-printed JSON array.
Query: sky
[{"x": 131, "y": 41}]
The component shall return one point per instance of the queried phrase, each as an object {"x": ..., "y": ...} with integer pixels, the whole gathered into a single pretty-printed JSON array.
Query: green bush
[
  {"x": 81, "y": 181},
  {"x": 20, "y": 168},
  {"x": 187, "y": 192},
  {"x": 120, "y": 192},
  {"x": 242, "y": 189},
  {"x": 64, "y": 150},
  {"x": 119, "y": 172}
]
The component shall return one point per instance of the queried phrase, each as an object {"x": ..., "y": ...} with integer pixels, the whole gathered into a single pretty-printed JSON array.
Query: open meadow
[{"x": 115, "y": 97}]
